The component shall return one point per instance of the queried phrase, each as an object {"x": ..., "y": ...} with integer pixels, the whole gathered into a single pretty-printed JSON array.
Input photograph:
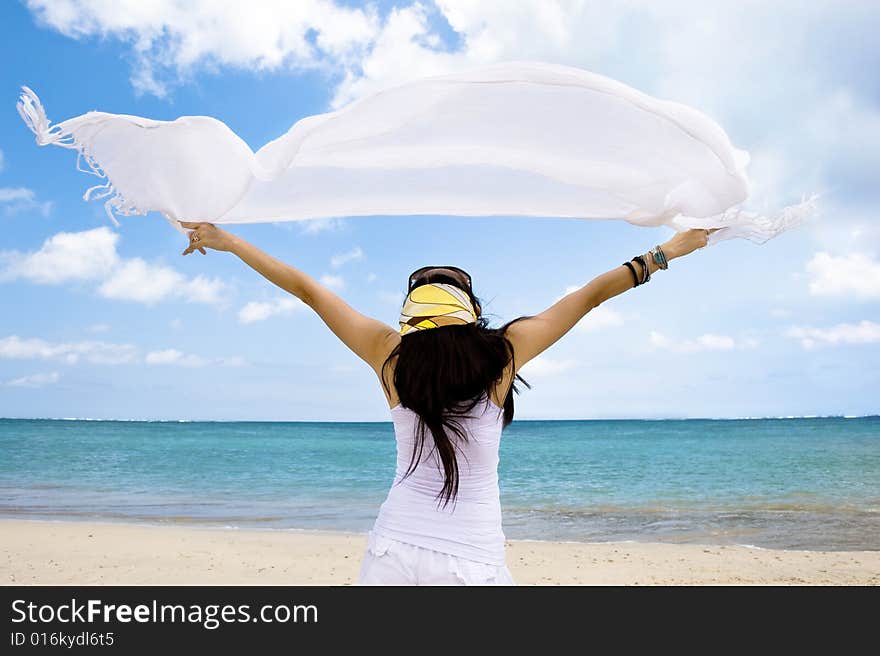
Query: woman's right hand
[
  {"x": 206, "y": 235},
  {"x": 686, "y": 242}
]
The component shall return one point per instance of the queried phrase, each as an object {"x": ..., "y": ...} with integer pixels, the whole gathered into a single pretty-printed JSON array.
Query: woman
[{"x": 449, "y": 381}]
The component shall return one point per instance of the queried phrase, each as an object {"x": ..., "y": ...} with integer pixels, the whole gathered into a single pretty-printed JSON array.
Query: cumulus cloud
[
  {"x": 173, "y": 356},
  {"x": 14, "y": 347},
  {"x": 599, "y": 318},
  {"x": 171, "y": 38},
  {"x": 179, "y": 358},
  {"x": 864, "y": 332},
  {"x": 137, "y": 280},
  {"x": 315, "y": 226},
  {"x": 543, "y": 367},
  {"x": 262, "y": 310},
  {"x": 35, "y": 380},
  {"x": 66, "y": 256},
  {"x": 341, "y": 259},
  {"x": 95, "y": 352},
  {"x": 91, "y": 255},
  {"x": 20, "y": 199},
  {"x": 707, "y": 342},
  {"x": 409, "y": 46},
  {"x": 856, "y": 275}
]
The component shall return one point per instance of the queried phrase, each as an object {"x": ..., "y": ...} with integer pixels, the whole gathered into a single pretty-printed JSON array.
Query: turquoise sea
[{"x": 810, "y": 483}]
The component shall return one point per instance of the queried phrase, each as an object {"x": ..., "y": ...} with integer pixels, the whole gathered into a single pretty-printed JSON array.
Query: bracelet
[
  {"x": 659, "y": 257},
  {"x": 646, "y": 275},
  {"x": 632, "y": 270}
]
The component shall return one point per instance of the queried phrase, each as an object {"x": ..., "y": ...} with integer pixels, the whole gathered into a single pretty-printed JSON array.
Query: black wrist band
[
  {"x": 646, "y": 276},
  {"x": 632, "y": 270}
]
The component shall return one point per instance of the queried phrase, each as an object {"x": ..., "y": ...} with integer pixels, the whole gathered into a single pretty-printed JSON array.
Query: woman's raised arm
[
  {"x": 370, "y": 339},
  {"x": 533, "y": 335}
]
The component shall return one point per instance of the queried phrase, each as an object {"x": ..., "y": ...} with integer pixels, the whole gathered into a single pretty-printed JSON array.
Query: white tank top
[{"x": 470, "y": 525}]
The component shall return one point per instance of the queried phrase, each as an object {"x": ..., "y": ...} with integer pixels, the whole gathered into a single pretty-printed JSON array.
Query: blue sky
[{"x": 109, "y": 322}]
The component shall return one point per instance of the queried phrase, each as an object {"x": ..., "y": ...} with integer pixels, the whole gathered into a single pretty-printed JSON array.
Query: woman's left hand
[{"x": 206, "y": 235}]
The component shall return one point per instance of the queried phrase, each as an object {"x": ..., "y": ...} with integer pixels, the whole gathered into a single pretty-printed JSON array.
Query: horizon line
[{"x": 388, "y": 421}]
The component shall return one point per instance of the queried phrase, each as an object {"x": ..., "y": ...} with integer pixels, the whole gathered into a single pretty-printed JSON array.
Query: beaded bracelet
[{"x": 659, "y": 257}]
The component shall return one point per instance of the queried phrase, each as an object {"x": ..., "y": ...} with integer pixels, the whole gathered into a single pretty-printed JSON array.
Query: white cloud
[
  {"x": 372, "y": 277},
  {"x": 202, "y": 289},
  {"x": 706, "y": 342},
  {"x": 171, "y": 39},
  {"x": 14, "y": 347},
  {"x": 95, "y": 352},
  {"x": 2, "y": 161},
  {"x": 333, "y": 282},
  {"x": 340, "y": 259},
  {"x": 315, "y": 226},
  {"x": 99, "y": 328},
  {"x": 402, "y": 50},
  {"x": 175, "y": 37},
  {"x": 542, "y": 367},
  {"x": 599, "y": 318},
  {"x": 685, "y": 47},
  {"x": 12, "y": 194},
  {"x": 406, "y": 48},
  {"x": 19, "y": 199},
  {"x": 137, "y": 280},
  {"x": 854, "y": 275},
  {"x": 65, "y": 256},
  {"x": 262, "y": 310},
  {"x": 864, "y": 332},
  {"x": 173, "y": 356},
  {"x": 91, "y": 255},
  {"x": 180, "y": 359},
  {"x": 780, "y": 313},
  {"x": 35, "y": 380}
]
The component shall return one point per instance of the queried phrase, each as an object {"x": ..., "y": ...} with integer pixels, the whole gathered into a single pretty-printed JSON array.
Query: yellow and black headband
[{"x": 436, "y": 304}]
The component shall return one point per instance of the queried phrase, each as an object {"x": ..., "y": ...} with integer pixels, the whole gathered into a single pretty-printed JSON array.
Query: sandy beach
[{"x": 47, "y": 553}]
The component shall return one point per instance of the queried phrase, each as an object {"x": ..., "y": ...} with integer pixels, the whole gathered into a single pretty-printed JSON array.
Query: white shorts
[{"x": 391, "y": 562}]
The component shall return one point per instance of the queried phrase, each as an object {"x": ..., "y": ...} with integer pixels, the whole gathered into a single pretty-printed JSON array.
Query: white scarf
[{"x": 514, "y": 139}]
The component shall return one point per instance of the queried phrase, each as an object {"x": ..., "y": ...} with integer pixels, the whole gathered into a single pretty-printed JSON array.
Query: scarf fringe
[
  {"x": 760, "y": 229},
  {"x": 757, "y": 228},
  {"x": 34, "y": 115}
]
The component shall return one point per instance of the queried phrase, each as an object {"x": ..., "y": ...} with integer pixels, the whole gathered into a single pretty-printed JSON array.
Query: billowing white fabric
[{"x": 513, "y": 139}]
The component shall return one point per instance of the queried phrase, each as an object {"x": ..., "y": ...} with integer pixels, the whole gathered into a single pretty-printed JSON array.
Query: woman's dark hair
[{"x": 442, "y": 373}]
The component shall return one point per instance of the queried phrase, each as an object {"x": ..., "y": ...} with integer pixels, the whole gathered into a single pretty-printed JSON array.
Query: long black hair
[{"x": 442, "y": 373}]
